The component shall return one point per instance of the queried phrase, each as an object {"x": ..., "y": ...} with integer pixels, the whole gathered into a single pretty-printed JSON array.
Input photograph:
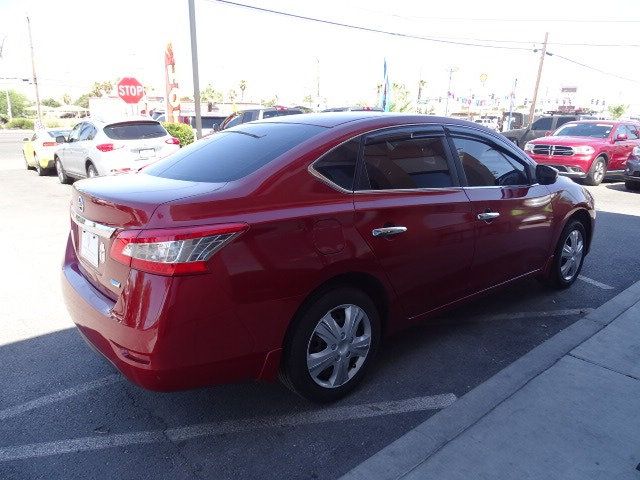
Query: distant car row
[
  {"x": 94, "y": 148},
  {"x": 589, "y": 150}
]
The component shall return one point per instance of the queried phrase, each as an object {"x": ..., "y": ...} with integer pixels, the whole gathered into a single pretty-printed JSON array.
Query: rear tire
[
  {"x": 597, "y": 172},
  {"x": 331, "y": 345},
  {"x": 62, "y": 176},
  {"x": 91, "y": 170},
  {"x": 41, "y": 171},
  {"x": 634, "y": 186},
  {"x": 568, "y": 256}
]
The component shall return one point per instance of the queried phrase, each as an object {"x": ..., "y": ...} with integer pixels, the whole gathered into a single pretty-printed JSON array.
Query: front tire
[
  {"x": 91, "y": 171},
  {"x": 569, "y": 256},
  {"x": 597, "y": 172},
  {"x": 331, "y": 345}
]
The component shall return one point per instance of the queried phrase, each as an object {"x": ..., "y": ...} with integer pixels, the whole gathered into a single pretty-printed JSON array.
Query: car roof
[{"x": 117, "y": 119}]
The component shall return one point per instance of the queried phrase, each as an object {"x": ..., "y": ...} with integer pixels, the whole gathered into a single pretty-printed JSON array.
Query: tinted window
[
  {"x": 232, "y": 154},
  {"x": 562, "y": 120},
  {"x": 232, "y": 120},
  {"x": 279, "y": 113},
  {"x": 134, "y": 130},
  {"x": 485, "y": 166},
  {"x": 544, "y": 123},
  {"x": 596, "y": 130},
  {"x": 633, "y": 132},
  {"x": 339, "y": 165},
  {"x": 208, "y": 122},
  {"x": 88, "y": 132},
  {"x": 58, "y": 133},
  {"x": 407, "y": 164}
]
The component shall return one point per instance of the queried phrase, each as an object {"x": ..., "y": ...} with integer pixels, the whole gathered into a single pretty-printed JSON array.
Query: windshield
[
  {"x": 595, "y": 130},
  {"x": 232, "y": 154}
]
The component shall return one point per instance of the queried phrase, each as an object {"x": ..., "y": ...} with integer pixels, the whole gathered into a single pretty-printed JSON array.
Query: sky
[{"x": 78, "y": 42}]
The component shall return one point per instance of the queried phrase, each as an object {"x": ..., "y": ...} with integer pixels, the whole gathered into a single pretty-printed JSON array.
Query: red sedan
[
  {"x": 294, "y": 245},
  {"x": 588, "y": 150}
]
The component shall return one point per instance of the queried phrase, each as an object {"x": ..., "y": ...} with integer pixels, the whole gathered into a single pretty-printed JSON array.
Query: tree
[
  {"x": 66, "y": 99},
  {"x": 100, "y": 89},
  {"x": 232, "y": 95},
  {"x": 400, "y": 101},
  {"x": 617, "y": 111},
  {"x": 19, "y": 103},
  {"x": 272, "y": 102},
  {"x": 210, "y": 94},
  {"x": 243, "y": 87},
  {"x": 308, "y": 99},
  {"x": 83, "y": 100},
  {"x": 51, "y": 102}
]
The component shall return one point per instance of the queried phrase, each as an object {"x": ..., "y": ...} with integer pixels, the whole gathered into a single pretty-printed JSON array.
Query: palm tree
[{"x": 243, "y": 87}]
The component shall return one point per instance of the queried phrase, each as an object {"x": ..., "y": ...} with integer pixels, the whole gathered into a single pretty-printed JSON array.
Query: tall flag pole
[{"x": 384, "y": 94}]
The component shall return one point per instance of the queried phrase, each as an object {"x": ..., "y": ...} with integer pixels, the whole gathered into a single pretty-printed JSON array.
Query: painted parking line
[
  {"x": 596, "y": 283},
  {"x": 58, "y": 396},
  {"x": 518, "y": 315},
  {"x": 180, "y": 434}
]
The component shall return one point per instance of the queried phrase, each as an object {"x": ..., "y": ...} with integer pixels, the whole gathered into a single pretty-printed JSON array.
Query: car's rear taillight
[
  {"x": 172, "y": 141},
  {"x": 49, "y": 144},
  {"x": 105, "y": 147},
  {"x": 173, "y": 251}
]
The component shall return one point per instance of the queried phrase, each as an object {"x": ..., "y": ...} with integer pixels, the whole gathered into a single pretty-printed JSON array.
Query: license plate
[
  {"x": 89, "y": 245},
  {"x": 147, "y": 153}
]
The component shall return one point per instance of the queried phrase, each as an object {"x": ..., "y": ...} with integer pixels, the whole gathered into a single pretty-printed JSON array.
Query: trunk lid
[{"x": 104, "y": 206}]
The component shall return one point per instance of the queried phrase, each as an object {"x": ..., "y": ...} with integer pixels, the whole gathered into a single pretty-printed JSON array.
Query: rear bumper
[{"x": 156, "y": 340}]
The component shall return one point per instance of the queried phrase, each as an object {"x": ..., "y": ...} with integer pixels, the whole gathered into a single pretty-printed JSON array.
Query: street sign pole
[{"x": 194, "y": 67}]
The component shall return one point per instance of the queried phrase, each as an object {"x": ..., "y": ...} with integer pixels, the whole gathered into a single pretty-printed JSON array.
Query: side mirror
[
  {"x": 61, "y": 139},
  {"x": 621, "y": 137},
  {"x": 546, "y": 175}
]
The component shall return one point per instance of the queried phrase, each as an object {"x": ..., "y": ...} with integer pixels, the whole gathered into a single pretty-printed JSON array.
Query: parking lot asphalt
[{"x": 66, "y": 413}]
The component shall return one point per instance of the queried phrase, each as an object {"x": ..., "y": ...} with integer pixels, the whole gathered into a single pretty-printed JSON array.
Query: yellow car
[{"x": 38, "y": 149}]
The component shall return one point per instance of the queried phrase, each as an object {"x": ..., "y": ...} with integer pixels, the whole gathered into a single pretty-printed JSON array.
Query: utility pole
[
  {"x": 511, "y": 100},
  {"x": 532, "y": 112},
  {"x": 6, "y": 90},
  {"x": 446, "y": 105},
  {"x": 194, "y": 67},
  {"x": 318, "y": 84},
  {"x": 33, "y": 68}
]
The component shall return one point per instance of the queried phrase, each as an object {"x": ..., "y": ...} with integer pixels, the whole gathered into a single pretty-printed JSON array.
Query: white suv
[{"x": 96, "y": 147}]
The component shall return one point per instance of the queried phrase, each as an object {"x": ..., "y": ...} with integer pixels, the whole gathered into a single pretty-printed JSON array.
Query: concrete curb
[{"x": 416, "y": 446}]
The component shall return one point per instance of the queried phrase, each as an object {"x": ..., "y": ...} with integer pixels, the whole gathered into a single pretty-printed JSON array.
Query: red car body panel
[
  {"x": 615, "y": 152},
  {"x": 229, "y": 324}
]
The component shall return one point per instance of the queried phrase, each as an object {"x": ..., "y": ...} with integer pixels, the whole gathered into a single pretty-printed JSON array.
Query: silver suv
[{"x": 97, "y": 147}]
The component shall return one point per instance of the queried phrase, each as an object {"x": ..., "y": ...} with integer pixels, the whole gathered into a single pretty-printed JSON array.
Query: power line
[
  {"x": 367, "y": 29},
  {"x": 415, "y": 37}
]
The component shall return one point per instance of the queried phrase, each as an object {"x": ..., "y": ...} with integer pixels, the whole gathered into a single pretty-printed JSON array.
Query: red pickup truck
[{"x": 589, "y": 150}]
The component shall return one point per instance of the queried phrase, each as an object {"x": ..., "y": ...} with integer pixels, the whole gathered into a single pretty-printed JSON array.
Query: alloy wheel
[
  {"x": 598, "y": 174},
  {"x": 59, "y": 171},
  {"x": 571, "y": 255},
  {"x": 339, "y": 346}
]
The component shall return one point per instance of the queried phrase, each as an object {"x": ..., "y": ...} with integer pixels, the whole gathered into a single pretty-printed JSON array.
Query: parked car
[
  {"x": 631, "y": 173},
  {"x": 541, "y": 127},
  {"x": 244, "y": 116},
  {"x": 587, "y": 150},
  {"x": 490, "y": 123},
  {"x": 295, "y": 245},
  {"x": 38, "y": 150},
  {"x": 95, "y": 147},
  {"x": 210, "y": 123}
]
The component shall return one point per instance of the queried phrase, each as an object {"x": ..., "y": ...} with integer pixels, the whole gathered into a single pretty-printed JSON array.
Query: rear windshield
[
  {"x": 58, "y": 133},
  {"x": 134, "y": 130},
  {"x": 279, "y": 113},
  {"x": 596, "y": 130},
  {"x": 232, "y": 154}
]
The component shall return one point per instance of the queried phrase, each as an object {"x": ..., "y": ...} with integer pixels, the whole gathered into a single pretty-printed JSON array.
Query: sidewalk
[{"x": 569, "y": 409}]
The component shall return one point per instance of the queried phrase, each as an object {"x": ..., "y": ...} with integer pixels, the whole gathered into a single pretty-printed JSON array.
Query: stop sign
[{"x": 130, "y": 90}]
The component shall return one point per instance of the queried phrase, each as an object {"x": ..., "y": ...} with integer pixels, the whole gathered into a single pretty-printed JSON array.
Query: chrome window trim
[
  {"x": 96, "y": 228},
  {"x": 503, "y": 186}
]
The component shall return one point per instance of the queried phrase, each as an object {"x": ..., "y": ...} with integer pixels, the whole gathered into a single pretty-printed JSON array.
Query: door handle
[
  {"x": 388, "y": 231},
  {"x": 488, "y": 216}
]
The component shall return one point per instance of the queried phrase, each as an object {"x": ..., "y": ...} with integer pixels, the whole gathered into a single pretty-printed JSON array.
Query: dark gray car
[{"x": 541, "y": 127}]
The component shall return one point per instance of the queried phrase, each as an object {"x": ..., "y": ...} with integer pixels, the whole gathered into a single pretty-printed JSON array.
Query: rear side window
[
  {"x": 544, "y": 123},
  {"x": 232, "y": 154},
  {"x": 484, "y": 166},
  {"x": 339, "y": 165},
  {"x": 407, "y": 164},
  {"x": 134, "y": 130}
]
